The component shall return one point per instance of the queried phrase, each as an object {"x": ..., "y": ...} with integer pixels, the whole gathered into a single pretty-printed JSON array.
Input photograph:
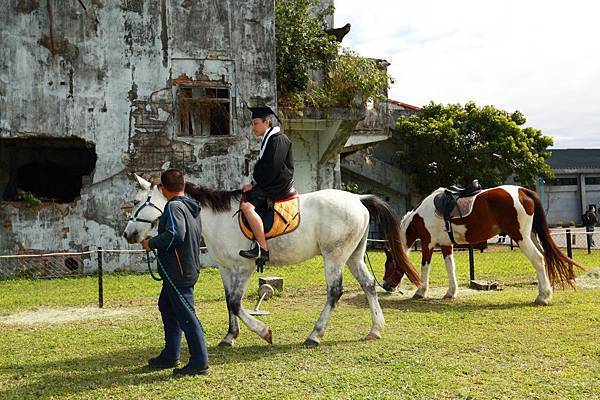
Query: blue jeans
[
  {"x": 590, "y": 237},
  {"x": 177, "y": 318}
]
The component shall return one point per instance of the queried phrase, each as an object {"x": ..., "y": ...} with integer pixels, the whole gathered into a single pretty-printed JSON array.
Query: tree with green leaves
[
  {"x": 304, "y": 51},
  {"x": 448, "y": 144},
  {"x": 301, "y": 43}
]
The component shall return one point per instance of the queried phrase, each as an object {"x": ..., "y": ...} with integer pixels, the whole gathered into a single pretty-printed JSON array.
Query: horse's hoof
[
  {"x": 268, "y": 336},
  {"x": 541, "y": 301},
  {"x": 449, "y": 297},
  {"x": 225, "y": 343},
  {"x": 373, "y": 336},
  {"x": 309, "y": 343},
  {"x": 418, "y": 296}
]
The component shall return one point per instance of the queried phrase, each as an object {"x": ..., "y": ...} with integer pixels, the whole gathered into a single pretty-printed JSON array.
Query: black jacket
[
  {"x": 178, "y": 241},
  {"x": 589, "y": 219},
  {"x": 274, "y": 171}
]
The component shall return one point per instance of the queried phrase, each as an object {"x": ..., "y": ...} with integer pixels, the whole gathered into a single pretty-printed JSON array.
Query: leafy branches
[
  {"x": 311, "y": 69},
  {"x": 447, "y": 144},
  {"x": 302, "y": 44}
]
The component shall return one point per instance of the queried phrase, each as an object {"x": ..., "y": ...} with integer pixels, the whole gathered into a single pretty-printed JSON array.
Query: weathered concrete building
[
  {"x": 373, "y": 169},
  {"x": 91, "y": 91}
]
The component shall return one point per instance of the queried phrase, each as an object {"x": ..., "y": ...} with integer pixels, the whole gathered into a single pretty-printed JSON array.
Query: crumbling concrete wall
[{"x": 107, "y": 73}]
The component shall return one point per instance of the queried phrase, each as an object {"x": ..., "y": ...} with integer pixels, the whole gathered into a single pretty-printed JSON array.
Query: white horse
[{"x": 334, "y": 224}]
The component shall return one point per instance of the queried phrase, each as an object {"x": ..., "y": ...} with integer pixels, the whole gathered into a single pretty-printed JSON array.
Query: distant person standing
[{"x": 589, "y": 221}]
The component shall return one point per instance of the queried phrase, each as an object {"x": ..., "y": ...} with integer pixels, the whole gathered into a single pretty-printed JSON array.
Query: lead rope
[
  {"x": 372, "y": 272},
  {"x": 183, "y": 300}
]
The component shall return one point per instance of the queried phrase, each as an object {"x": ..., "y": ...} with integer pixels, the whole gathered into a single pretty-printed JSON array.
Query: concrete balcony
[{"x": 319, "y": 136}]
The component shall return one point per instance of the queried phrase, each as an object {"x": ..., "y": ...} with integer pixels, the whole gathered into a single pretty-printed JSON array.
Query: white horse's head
[{"x": 148, "y": 206}]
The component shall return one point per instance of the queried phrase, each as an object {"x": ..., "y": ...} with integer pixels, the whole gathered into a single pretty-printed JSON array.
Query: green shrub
[{"x": 303, "y": 46}]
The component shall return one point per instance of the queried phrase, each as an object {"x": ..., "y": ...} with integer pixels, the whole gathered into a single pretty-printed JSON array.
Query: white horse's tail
[{"x": 387, "y": 220}]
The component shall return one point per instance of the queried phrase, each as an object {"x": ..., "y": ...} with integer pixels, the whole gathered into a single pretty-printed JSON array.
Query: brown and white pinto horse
[{"x": 513, "y": 210}]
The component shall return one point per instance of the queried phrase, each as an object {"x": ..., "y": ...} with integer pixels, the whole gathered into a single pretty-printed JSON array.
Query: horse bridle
[{"x": 148, "y": 202}]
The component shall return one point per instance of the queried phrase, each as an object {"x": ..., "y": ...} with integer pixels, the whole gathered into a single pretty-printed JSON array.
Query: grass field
[{"x": 482, "y": 345}]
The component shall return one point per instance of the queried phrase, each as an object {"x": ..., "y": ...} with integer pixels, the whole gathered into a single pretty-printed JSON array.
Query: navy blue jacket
[{"x": 178, "y": 240}]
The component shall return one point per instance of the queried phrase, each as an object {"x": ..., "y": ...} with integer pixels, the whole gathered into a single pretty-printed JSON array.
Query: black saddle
[
  {"x": 470, "y": 190},
  {"x": 445, "y": 201}
]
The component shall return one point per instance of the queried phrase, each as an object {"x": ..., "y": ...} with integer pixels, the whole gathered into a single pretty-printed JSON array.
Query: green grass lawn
[{"x": 480, "y": 346}]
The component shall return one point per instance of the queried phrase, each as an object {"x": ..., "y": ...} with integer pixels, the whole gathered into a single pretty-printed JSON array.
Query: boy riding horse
[{"x": 272, "y": 179}]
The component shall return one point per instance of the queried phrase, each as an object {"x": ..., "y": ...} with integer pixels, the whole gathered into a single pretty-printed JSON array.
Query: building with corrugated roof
[{"x": 576, "y": 185}]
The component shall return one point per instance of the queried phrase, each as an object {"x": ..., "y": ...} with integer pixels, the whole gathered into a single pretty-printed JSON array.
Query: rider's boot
[{"x": 256, "y": 252}]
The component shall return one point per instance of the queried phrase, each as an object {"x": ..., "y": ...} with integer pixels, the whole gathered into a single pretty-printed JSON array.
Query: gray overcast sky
[{"x": 541, "y": 57}]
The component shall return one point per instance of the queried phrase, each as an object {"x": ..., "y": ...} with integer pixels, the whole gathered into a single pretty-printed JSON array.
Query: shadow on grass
[
  {"x": 120, "y": 368},
  {"x": 433, "y": 304}
]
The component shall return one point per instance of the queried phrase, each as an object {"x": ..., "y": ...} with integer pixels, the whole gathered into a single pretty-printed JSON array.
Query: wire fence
[
  {"x": 68, "y": 265},
  {"x": 497, "y": 259},
  {"x": 500, "y": 259},
  {"x": 58, "y": 265},
  {"x": 44, "y": 265}
]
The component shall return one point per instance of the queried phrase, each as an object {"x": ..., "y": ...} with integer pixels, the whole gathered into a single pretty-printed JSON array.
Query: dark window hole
[{"x": 45, "y": 169}]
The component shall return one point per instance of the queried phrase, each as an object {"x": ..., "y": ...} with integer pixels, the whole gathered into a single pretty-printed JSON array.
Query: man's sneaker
[
  {"x": 190, "y": 371},
  {"x": 161, "y": 363},
  {"x": 255, "y": 252}
]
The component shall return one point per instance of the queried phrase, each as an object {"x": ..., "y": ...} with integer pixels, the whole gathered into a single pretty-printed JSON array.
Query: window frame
[{"x": 203, "y": 87}]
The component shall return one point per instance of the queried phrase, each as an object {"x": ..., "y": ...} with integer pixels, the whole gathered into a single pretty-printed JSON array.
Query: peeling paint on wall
[{"x": 105, "y": 74}]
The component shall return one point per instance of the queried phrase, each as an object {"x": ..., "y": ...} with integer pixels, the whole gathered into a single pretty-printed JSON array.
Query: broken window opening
[
  {"x": 44, "y": 169},
  {"x": 204, "y": 111}
]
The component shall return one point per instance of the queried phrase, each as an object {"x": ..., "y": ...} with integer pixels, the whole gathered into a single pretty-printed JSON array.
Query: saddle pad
[
  {"x": 463, "y": 208},
  {"x": 283, "y": 218}
]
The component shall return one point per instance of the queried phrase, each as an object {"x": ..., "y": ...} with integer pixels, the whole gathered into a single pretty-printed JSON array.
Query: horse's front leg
[
  {"x": 234, "y": 329},
  {"x": 238, "y": 278},
  {"x": 426, "y": 252},
  {"x": 451, "y": 269}
]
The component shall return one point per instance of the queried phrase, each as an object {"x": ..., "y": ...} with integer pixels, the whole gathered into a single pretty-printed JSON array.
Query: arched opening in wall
[{"x": 45, "y": 169}]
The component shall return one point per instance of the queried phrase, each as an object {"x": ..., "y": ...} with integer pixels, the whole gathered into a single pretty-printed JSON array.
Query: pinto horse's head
[
  {"x": 392, "y": 275},
  {"x": 148, "y": 206}
]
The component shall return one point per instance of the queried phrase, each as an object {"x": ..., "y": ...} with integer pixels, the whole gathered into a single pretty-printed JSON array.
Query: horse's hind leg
[
  {"x": 334, "y": 277},
  {"x": 537, "y": 259},
  {"x": 357, "y": 266}
]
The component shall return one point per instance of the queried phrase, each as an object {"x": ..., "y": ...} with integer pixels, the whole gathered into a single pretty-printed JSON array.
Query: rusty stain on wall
[
  {"x": 68, "y": 51},
  {"x": 27, "y": 6}
]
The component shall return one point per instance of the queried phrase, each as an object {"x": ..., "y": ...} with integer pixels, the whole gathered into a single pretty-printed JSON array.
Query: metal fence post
[
  {"x": 471, "y": 263},
  {"x": 569, "y": 244},
  {"x": 589, "y": 236},
  {"x": 100, "y": 279}
]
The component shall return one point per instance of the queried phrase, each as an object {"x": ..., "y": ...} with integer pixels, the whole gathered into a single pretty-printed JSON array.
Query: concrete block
[
  {"x": 275, "y": 281},
  {"x": 485, "y": 285}
]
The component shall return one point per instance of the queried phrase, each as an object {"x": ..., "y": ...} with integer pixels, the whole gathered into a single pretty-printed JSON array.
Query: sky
[{"x": 541, "y": 57}]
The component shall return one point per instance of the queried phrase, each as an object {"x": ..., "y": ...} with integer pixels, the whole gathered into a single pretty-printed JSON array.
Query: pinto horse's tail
[
  {"x": 558, "y": 265},
  {"x": 386, "y": 217}
]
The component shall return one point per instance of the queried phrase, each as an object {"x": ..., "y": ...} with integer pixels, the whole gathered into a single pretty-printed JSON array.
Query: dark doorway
[{"x": 50, "y": 169}]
